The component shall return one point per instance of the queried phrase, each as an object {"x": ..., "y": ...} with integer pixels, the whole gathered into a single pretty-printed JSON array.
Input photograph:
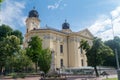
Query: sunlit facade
[{"x": 64, "y": 42}]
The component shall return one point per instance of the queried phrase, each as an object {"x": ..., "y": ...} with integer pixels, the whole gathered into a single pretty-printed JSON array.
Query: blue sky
[{"x": 80, "y": 14}]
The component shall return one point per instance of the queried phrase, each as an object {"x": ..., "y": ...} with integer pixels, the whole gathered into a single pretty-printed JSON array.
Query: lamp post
[{"x": 116, "y": 53}]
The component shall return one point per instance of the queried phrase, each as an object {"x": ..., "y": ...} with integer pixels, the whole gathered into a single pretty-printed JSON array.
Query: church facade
[{"x": 64, "y": 43}]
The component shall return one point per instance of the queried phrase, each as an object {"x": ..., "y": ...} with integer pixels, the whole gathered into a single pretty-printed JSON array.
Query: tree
[
  {"x": 96, "y": 53},
  {"x": 113, "y": 44},
  {"x": 34, "y": 49},
  {"x": 12, "y": 45},
  {"x": 8, "y": 47},
  {"x": 19, "y": 61},
  {"x": 9, "y": 44},
  {"x": 45, "y": 60},
  {"x": 1, "y": 1},
  {"x": 19, "y": 35},
  {"x": 2, "y": 55},
  {"x": 5, "y": 31}
]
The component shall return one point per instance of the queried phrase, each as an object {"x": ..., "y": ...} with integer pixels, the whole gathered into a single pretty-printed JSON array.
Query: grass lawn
[{"x": 111, "y": 79}]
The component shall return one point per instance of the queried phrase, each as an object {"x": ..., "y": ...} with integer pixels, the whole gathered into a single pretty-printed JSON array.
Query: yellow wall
[{"x": 71, "y": 53}]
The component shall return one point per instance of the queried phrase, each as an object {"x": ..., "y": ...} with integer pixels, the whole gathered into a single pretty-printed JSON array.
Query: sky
[{"x": 101, "y": 17}]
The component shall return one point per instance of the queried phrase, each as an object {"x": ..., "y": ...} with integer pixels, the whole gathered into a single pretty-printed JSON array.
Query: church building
[{"x": 64, "y": 43}]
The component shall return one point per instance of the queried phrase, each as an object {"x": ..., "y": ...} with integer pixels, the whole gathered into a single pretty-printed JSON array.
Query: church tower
[
  {"x": 66, "y": 27},
  {"x": 33, "y": 21}
]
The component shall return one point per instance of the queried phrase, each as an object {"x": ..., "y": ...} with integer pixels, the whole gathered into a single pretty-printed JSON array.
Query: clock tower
[{"x": 33, "y": 21}]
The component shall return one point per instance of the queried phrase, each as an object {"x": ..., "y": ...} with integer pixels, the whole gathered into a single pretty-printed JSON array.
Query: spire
[
  {"x": 65, "y": 20},
  {"x": 33, "y": 7}
]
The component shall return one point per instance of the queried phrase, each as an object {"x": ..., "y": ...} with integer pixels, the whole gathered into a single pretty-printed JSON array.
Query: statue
[{"x": 52, "y": 71}]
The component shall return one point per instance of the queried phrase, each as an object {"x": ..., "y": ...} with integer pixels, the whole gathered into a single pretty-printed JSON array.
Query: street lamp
[{"x": 116, "y": 54}]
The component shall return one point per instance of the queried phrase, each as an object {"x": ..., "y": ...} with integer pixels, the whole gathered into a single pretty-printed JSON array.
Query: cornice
[
  {"x": 45, "y": 31},
  {"x": 79, "y": 35},
  {"x": 72, "y": 34}
]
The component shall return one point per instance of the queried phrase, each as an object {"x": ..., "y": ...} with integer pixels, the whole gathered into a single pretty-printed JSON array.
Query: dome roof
[
  {"x": 33, "y": 13},
  {"x": 65, "y": 25}
]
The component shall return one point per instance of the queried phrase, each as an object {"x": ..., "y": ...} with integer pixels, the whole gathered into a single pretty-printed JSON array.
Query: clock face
[{"x": 34, "y": 25}]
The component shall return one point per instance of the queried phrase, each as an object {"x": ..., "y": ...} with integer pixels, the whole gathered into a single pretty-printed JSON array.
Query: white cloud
[
  {"x": 115, "y": 13},
  {"x": 55, "y": 5},
  {"x": 103, "y": 25},
  {"x": 12, "y": 13}
]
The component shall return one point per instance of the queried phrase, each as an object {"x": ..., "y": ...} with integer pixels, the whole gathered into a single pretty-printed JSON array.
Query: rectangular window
[
  {"x": 61, "y": 63},
  {"x": 82, "y": 62},
  {"x": 81, "y": 50},
  {"x": 61, "y": 48}
]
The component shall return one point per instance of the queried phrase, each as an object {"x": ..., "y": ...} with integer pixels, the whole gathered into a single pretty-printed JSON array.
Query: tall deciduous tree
[
  {"x": 9, "y": 44},
  {"x": 8, "y": 47},
  {"x": 113, "y": 44},
  {"x": 45, "y": 60},
  {"x": 96, "y": 53},
  {"x": 34, "y": 49}
]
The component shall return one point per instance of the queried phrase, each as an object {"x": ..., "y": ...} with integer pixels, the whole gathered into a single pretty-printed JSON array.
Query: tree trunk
[
  {"x": 96, "y": 71},
  {"x": 36, "y": 67},
  {"x": 1, "y": 70},
  {"x": 26, "y": 69}
]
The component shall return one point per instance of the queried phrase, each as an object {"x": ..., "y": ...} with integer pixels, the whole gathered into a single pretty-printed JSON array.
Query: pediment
[{"x": 86, "y": 33}]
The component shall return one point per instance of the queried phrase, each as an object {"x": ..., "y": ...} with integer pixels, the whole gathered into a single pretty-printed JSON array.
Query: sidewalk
[
  {"x": 27, "y": 78},
  {"x": 68, "y": 78},
  {"x": 110, "y": 76}
]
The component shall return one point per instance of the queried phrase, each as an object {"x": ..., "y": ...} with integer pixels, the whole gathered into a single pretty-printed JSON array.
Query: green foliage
[
  {"x": 20, "y": 75},
  {"x": 5, "y": 31},
  {"x": 12, "y": 44},
  {"x": 39, "y": 55},
  {"x": 14, "y": 75},
  {"x": 8, "y": 47},
  {"x": 97, "y": 53},
  {"x": 34, "y": 49},
  {"x": 113, "y": 44},
  {"x": 45, "y": 60},
  {"x": 111, "y": 79},
  {"x": 19, "y": 35},
  {"x": 19, "y": 62},
  {"x": 84, "y": 45},
  {"x": 2, "y": 53},
  {"x": 1, "y": 1},
  {"x": 9, "y": 44}
]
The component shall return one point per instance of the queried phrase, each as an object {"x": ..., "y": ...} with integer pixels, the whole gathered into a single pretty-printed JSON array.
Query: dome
[
  {"x": 65, "y": 25},
  {"x": 33, "y": 13}
]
